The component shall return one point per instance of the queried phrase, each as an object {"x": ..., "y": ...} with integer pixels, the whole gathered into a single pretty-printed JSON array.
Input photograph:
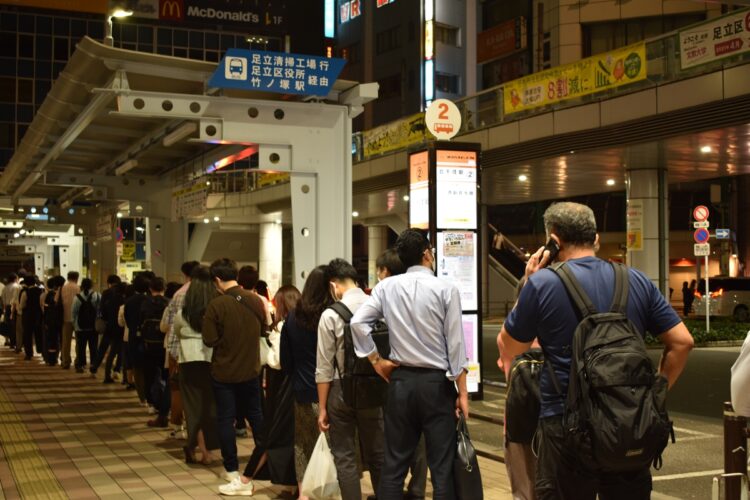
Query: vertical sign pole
[{"x": 708, "y": 297}]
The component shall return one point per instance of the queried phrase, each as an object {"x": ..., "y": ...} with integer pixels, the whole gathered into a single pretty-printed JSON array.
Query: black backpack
[
  {"x": 615, "y": 417},
  {"x": 86, "y": 314},
  {"x": 523, "y": 397},
  {"x": 362, "y": 387},
  {"x": 152, "y": 310},
  {"x": 53, "y": 312}
]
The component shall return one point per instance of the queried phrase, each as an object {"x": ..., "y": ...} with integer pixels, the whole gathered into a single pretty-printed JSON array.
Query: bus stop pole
[{"x": 735, "y": 452}]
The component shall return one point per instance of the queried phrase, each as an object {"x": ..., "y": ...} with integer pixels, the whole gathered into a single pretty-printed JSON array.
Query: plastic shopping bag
[{"x": 320, "y": 482}]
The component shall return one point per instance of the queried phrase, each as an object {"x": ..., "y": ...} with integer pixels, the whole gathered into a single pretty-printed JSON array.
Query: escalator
[{"x": 505, "y": 257}]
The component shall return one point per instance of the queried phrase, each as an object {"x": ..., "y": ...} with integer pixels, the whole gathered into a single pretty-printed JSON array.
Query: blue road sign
[
  {"x": 701, "y": 235},
  {"x": 276, "y": 72},
  {"x": 722, "y": 234}
]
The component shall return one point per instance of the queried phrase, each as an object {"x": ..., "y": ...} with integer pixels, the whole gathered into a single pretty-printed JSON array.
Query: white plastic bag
[{"x": 320, "y": 481}]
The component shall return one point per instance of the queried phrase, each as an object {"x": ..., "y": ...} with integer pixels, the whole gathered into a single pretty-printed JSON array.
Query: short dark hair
[
  {"x": 86, "y": 284},
  {"x": 156, "y": 285},
  {"x": 29, "y": 280},
  {"x": 73, "y": 275},
  {"x": 113, "y": 279},
  {"x": 410, "y": 247},
  {"x": 187, "y": 267},
  {"x": 12, "y": 277},
  {"x": 141, "y": 283},
  {"x": 248, "y": 277},
  {"x": 389, "y": 260},
  {"x": 573, "y": 223},
  {"x": 340, "y": 269},
  {"x": 171, "y": 289},
  {"x": 224, "y": 269},
  {"x": 55, "y": 282}
]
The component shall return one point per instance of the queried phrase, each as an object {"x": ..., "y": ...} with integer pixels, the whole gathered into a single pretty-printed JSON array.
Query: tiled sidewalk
[{"x": 66, "y": 435}]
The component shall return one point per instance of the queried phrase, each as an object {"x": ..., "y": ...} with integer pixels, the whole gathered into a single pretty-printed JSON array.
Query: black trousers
[
  {"x": 420, "y": 401},
  {"x": 559, "y": 476},
  {"x": 52, "y": 335},
  {"x": 85, "y": 339},
  {"x": 32, "y": 333},
  {"x": 115, "y": 351}
]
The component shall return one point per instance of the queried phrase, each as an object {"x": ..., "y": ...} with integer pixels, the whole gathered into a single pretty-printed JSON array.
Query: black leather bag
[{"x": 466, "y": 473}]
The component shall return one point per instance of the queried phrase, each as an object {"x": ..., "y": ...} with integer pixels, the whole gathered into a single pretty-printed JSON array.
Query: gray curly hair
[{"x": 573, "y": 223}]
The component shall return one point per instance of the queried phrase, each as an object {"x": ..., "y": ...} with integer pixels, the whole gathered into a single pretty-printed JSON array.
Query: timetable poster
[
  {"x": 419, "y": 190},
  {"x": 457, "y": 263},
  {"x": 456, "y": 188},
  {"x": 471, "y": 339}
]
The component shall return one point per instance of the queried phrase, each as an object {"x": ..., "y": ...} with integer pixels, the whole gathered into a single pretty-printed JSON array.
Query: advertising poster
[
  {"x": 634, "y": 216},
  {"x": 716, "y": 39},
  {"x": 457, "y": 263},
  {"x": 419, "y": 190},
  {"x": 456, "y": 188},
  {"x": 471, "y": 340},
  {"x": 395, "y": 135},
  {"x": 569, "y": 81}
]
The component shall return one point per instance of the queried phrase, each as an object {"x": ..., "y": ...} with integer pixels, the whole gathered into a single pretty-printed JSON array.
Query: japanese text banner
[{"x": 587, "y": 76}]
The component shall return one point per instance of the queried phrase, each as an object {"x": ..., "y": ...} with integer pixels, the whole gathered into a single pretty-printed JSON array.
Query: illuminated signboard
[
  {"x": 457, "y": 264},
  {"x": 329, "y": 17},
  {"x": 350, "y": 10},
  {"x": 383, "y": 3},
  {"x": 419, "y": 190},
  {"x": 471, "y": 341},
  {"x": 456, "y": 189}
]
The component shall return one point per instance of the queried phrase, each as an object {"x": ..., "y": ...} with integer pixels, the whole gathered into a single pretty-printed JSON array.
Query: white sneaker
[
  {"x": 237, "y": 488},
  {"x": 230, "y": 476}
]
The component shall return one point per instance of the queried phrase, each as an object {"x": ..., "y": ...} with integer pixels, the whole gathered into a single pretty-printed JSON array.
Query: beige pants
[
  {"x": 520, "y": 464},
  {"x": 67, "y": 338}
]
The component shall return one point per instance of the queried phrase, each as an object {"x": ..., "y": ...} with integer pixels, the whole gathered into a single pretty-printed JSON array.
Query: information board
[
  {"x": 471, "y": 341},
  {"x": 457, "y": 264},
  {"x": 456, "y": 189},
  {"x": 419, "y": 190}
]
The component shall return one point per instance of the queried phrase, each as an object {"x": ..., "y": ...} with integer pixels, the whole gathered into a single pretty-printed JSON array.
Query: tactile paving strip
[{"x": 31, "y": 472}]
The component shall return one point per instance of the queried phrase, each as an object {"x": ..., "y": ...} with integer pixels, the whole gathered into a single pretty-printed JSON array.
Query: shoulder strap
[
  {"x": 622, "y": 285},
  {"x": 342, "y": 311},
  {"x": 239, "y": 300},
  {"x": 575, "y": 290}
]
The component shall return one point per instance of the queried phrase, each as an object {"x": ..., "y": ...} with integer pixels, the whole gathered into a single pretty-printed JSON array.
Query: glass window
[
  {"x": 128, "y": 46},
  {"x": 196, "y": 39},
  {"x": 77, "y": 28},
  {"x": 21, "y": 132},
  {"x": 26, "y": 23},
  {"x": 128, "y": 229},
  {"x": 164, "y": 50},
  {"x": 164, "y": 36},
  {"x": 212, "y": 55},
  {"x": 129, "y": 33},
  {"x": 61, "y": 49},
  {"x": 180, "y": 52},
  {"x": 26, "y": 68},
  {"x": 44, "y": 48},
  {"x": 212, "y": 41},
  {"x": 140, "y": 251},
  {"x": 145, "y": 34},
  {"x": 9, "y": 21},
  {"x": 196, "y": 54},
  {"x": 7, "y": 140},
  {"x": 96, "y": 29},
  {"x": 8, "y": 45},
  {"x": 57, "y": 69},
  {"x": 25, "y": 90},
  {"x": 44, "y": 25},
  {"x": 25, "y": 113},
  {"x": 145, "y": 47},
  {"x": 449, "y": 35},
  {"x": 445, "y": 82},
  {"x": 7, "y": 91},
  {"x": 180, "y": 38},
  {"x": 8, "y": 111},
  {"x": 7, "y": 66},
  {"x": 42, "y": 88},
  {"x": 227, "y": 42},
  {"x": 62, "y": 26},
  {"x": 25, "y": 46},
  {"x": 42, "y": 69},
  {"x": 5, "y": 156}
]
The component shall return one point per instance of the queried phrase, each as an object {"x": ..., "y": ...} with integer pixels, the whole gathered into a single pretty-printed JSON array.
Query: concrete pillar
[
  {"x": 166, "y": 247},
  {"x": 270, "y": 259},
  {"x": 377, "y": 243},
  {"x": 198, "y": 243},
  {"x": 648, "y": 223}
]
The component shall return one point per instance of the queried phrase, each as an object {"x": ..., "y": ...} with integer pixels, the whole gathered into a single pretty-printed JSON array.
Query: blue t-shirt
[{"x": 545, "y": 311}]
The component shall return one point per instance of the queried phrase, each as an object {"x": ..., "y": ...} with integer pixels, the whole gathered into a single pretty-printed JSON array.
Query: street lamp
[{"x": 119, "y": 13}]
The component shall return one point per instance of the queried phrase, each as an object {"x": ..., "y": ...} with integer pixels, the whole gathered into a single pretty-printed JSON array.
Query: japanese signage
[
  {"x": 634, "y": 216},
  {"x": 276, "y": 72},
  {"x": 501, "y": 40},
  {"x": 350, "y": 9},
  {"x": 419, "y": 190},
  {"x": 104, "y": 227},
  {"x": 128, "y": 251},
  {"x": 190, "y": 201},
  {"x": 722, "y": 37},
  {"x": 457, "y": 264},
  {"x": 443, "y": 119},
  {"x": 271, "y": 178},
  {"x": 456, "y": 189},
  {"x": 395, "y": 135},
  {"x": 247, "y": 13},
  {"x": 587, "y": 76}
]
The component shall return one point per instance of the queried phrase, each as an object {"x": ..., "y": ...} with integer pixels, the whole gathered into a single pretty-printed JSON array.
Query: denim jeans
[{"x": 229, "y": 397}]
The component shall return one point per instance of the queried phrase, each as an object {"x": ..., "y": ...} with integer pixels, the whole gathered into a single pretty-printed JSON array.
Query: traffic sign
[
  {"x": 443, "y": 119},
  {"x": 702, "y": 249},
  {"x": 700, "y": 213},
  {"x": 722, "y": 234},
  {"x": 701, "y": 235},
  {"x": 698, "y": 225}
]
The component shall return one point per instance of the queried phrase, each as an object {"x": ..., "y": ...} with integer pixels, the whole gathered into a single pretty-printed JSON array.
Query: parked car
[{"x": 729, "y": 297}]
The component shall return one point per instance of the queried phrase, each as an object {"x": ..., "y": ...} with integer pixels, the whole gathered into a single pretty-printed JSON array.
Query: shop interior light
[
  {"x": 216, "y": 218},
  {"x": 119, "y": 215},
  {"x": 206, "y": 221},
  {"x": 610, "y": 182},
  {"x": 355, "y": 214},
  {"x": 706, "y": 149},
  {"x": 523, "y": 178}
]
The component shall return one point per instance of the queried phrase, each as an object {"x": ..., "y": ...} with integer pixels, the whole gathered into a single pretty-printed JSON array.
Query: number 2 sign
[{"x": 443, "y": 119}]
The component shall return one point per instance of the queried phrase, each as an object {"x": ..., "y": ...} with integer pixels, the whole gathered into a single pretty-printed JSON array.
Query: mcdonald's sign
[{"x": 172, "y": 9}]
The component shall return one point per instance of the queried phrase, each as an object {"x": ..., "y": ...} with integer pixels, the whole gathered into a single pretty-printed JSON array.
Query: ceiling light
[
  {"x": 523, "y": 178},
  {"x": 16, "y": 235},
  {"x": 610, "y": 182},
  {"x": 119, "y": 215},
  {"x": 139, "y": 208},
  {"x": 122, "y": 13},
  {"x": 278, "y": 221},
  {"x": 71, "y": 211},
  {"x": 22, "y": 231},
  {"x": 126, "y": 167},
  {"x": 20, "y": 209},
  {"x": 208, "y": 183},
  {"x": 33, "y": 210},
  {"x": 406, "y": 197},
  {"x": 706, "y": 149},
  {"x": 80, "y": 230},
  {"x": 355, "y": 214},
  {"x": 216, "y": 218},
  {"x": 206, "y": 221},
  {"x": 45, "y": 210}
]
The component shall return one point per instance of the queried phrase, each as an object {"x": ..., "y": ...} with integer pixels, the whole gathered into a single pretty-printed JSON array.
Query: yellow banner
[
  {"x": 587, "y": 76},
  {"x": 271, "y": 178},
  {"x": 395, "y": 135}
]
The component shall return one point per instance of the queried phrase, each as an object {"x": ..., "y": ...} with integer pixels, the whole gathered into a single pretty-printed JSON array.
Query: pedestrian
[
  {"x": 299, "y": 350},
  {"x": 53, "y": 319},
  {"x": 132, "y": 317},
  {"x": 172, "y": 391},
  {"x": 194, "y": 359},
  {"x": 427, "y": 367},
  {"x": 128, "y": 375},
  {"x": 232, "y": 325},
  {"x": 111, "y": 343},
  {"x": 155, "y": 378},
  {"x": 336, "y": 416},
  {"x": 544, "y": 310},
  {"x": 66, "y": 296},
  {"x": 84, "y": 312},
  {"x": 17, "y": 312},
  {"x": 687, "y": 299},
  {"x": 9, "y": 296}
]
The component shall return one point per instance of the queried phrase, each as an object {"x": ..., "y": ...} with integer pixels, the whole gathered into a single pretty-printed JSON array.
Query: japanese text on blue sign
[{"x": 277, "y": 72}]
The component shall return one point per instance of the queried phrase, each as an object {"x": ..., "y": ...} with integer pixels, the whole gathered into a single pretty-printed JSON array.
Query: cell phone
[{"x": 553, "y": 249}]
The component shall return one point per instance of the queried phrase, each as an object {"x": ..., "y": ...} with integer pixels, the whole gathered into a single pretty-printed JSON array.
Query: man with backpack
[
  {"x": 149, "y": 332},
  {"x": 603, "y": 418},
  {"x": 84, "y": 312},
  {"x": 340, "y": 414}
]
